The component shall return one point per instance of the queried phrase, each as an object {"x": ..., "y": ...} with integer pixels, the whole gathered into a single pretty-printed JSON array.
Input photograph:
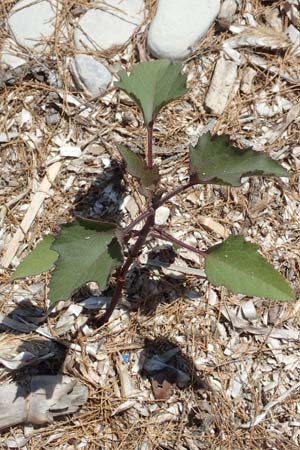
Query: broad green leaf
[
  {"x": 41, "y": 259},
  {"x": 214, "y": 160},
  {"x": 88, "y": 251},
  {"x": 137, "y": 167},
  {"x": 152, "y": 85},
  {"x": 236, "y": 265}
]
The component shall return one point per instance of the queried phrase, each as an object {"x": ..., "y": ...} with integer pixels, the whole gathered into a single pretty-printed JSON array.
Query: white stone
[
  {"x": 33, "y": 23},
  {"x": 221, "y": 86},
  {"x": 102, "y": 29},
  {"x": 178, "y": 25},
  {"x": 10, "y": 55},
  {"x": 161, "y": 215},
  {"x": 90, "y": 75}
]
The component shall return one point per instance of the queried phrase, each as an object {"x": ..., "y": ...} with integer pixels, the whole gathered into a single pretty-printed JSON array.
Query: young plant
[{"x": 88, "y": 250}]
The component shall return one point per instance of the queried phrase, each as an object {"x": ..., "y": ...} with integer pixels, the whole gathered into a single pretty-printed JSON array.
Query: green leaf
[
  {"x": 236, "y": 265},
  {"x": 137, "y": 167},
  {"x": 88, "y": 251},
  {"x": 41, "y": 259},
  {"x": 152, "y": 85},
  {"x": 214, "y": 160}
]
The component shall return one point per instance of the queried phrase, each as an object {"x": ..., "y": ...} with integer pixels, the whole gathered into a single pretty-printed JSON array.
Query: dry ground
[{"x": 241, "y": 355}]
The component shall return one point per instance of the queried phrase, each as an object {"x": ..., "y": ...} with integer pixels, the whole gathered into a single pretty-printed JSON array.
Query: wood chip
[
  {"x": 212, "y": 225},
  {"x": 44, "y": 398},
  {"x": 265, "y": 37},
  {"x": 268, "y": 407},
  {"x": 37, "y": 201}
]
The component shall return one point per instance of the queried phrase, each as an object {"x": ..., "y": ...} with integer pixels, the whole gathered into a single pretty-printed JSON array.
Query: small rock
[
  {"x": 90, "y": 75},
  {"x": 33, "y": 23},
  {"x": 178, "y": 25},
  {"x": 102, "y": 29},
  {"x": 9, "y": 55},
  {"x": 161, "y": 215},
  {"x": 106, "y": 161},
  {"x": 95, "y": 302},
  {"x": 221, "y": 86},
  {"x": 70, "y": 151}
]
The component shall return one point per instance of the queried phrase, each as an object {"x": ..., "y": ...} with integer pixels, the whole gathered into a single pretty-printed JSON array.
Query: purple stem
[
  {"x": 168, "y": 237},
  {"x": 132, "y": 224},
  {"x": 121, "y": 273},
  {"x": 150, "y": 145},
  {"x": 171, "y": 194}
]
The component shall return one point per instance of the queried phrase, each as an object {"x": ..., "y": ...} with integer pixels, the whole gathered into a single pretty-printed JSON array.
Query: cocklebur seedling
[{"x": 88, "y": 250}]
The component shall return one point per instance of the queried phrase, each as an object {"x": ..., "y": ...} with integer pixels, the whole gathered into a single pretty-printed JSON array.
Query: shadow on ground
[
  {"x": 26, "y": 354},
  {"x": 169, "y": 368},
  {"x": 104, "y": 197}
]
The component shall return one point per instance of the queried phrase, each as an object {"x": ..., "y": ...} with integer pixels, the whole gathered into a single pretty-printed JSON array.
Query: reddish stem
[
  {"x": 171, "y": 194},
  {"x": 150, "y": 145},
  {"x": 132, "y": 224},
  {"x": 121, "y": 274}
]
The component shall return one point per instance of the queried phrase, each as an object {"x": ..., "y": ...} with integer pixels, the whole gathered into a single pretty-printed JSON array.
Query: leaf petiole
[
  {"x": 172, "y": 194},
  {"x": 150, "y": 145}
]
